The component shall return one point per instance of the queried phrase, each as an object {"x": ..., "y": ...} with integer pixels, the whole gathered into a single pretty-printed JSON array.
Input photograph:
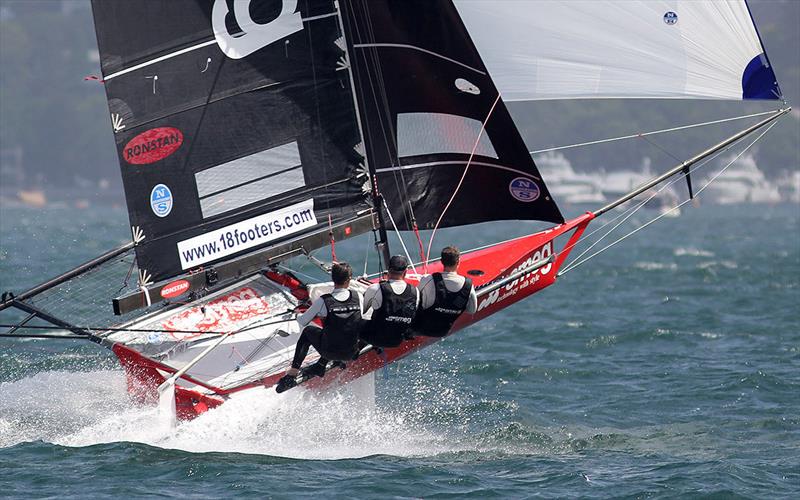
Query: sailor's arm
[
  {"x": 472, "y": 302},
  {"x": 317, "y": 309},
  {"x": 371, "y": 298},
  {"x": 427, "y": 291}
]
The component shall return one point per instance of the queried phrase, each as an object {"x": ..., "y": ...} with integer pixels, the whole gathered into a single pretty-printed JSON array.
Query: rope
[
  {"x": 624, "y": 237},
  {"x": 463, "y": 176},
  {"x": 400, "y": 237},
  {"x": 644, "y": 134},
  {"x": 333, "y": 240},
  {"x": 421, "y": 248}
]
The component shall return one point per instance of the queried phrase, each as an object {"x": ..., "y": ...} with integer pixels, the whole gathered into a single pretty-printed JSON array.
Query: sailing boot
[
  {"x": 285, "y": 383},
  {"x": 315, "y": 370}
]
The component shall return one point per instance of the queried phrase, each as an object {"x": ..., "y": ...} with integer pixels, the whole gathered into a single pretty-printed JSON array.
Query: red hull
[{"x": 484, "y": 266}]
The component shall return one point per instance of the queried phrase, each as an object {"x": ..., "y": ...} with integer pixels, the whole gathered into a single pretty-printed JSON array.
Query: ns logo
[{"x": 241, "y": 27}]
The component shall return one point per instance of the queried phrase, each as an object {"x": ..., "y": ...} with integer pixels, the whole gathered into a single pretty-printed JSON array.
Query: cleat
[
  {"x": 339, "y": 364},
  {"x": 285, "y": 383}
]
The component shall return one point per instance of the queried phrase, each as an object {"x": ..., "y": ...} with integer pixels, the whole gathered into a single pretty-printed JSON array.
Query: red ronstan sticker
[
  {"x": 174, "y": 289},
  {"x": 152, "y": 145}
]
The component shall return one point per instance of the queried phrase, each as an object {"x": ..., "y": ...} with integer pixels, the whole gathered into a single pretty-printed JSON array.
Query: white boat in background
[
  {"x": 612, "y": 184},
  {"x": 567, "y": 185},
  {"x": 665, "y": 202},
  {"x": 742, "y": 182},
  {"x": 789, "y": 186}
]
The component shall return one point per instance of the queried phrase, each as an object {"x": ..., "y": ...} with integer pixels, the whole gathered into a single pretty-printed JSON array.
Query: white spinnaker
[{"x": 555, "y": 49}]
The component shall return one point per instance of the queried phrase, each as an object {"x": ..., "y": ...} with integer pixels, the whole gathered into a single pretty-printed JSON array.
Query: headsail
[
  {"x": 235, "y": 126},
  {"x": 425, "y": 95},
  {"x": 552, "y": 49}
]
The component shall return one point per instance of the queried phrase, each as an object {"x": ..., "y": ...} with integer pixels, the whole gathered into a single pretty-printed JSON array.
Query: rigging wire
[
  {"x": 399, "y": 237},
  {"x": 377, "y": 92},
  {"x": 660, "y": 148},
  {"x": 580, "y": 262},
  {"x": 463, "y": 176},
  {"x": 654, "y": 132},
  {"x": 299, "y": 273},
  {"x": 366, "y": 255},
  {"x": 393, "y": 133},
  {"x": 628, "y": 213},
  {"x": 143, "y": 330},
  {"x": 636, "y": 207}
]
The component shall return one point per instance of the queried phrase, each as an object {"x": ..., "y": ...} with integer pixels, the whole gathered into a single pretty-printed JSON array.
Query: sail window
[
  {"x": 250, "y": 179},
  {"x": 434, "y": 133}
]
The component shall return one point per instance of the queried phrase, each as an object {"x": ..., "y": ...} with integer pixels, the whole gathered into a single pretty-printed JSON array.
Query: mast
[{"x": 382, "y": 243}]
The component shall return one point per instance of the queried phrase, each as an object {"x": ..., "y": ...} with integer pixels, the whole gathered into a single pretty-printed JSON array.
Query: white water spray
[{"x": 84, "y": 409}]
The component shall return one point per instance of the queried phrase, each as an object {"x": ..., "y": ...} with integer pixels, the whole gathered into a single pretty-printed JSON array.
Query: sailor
[
  {"x": 394, "y": 304},
  {"x": 337, "y": 340},
  {"x": 444, "y": 297}
]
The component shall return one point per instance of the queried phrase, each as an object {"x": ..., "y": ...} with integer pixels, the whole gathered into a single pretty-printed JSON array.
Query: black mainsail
[
  {"x": 235, "y": 127},
  {"x": 427, "y": 101}
]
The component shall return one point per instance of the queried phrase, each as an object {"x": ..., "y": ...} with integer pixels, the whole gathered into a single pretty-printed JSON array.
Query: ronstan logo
[
  {"x": 174, "y": 289},
  {"x": 153, "y": 145}
]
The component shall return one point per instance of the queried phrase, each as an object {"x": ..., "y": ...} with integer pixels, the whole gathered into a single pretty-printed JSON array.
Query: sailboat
[{"x": 251, "y": 133}]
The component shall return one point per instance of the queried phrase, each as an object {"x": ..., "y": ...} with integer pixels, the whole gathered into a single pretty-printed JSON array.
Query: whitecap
[
  {"x": 692, "y": 252},
  {"x": 656, "y": 266}
]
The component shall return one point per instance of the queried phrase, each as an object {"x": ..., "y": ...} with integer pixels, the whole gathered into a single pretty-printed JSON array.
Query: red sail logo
[
  {"x": 174, "y": 289},
  {"x": 229, "y": 312},
  {"x": 153, "y": 145}
]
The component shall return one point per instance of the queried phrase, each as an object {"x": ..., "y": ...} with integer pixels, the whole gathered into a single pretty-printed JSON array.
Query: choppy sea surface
[{"x": 668, "y": 366}]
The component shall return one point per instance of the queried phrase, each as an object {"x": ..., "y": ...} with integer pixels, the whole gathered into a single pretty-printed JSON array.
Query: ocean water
[{"x": 668, "y": 366}]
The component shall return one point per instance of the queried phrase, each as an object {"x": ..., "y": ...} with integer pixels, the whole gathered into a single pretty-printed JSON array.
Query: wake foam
[{"x": 84, "y": 409}]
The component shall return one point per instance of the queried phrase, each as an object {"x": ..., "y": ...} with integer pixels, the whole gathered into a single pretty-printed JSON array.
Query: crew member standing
[
  {"x": 444, "y": 297},
  {"x": 394, "y": 304},
  {"x": 337, "y": 340}
]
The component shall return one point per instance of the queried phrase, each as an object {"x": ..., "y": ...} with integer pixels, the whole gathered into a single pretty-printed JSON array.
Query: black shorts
[
  {"x": 378, "y": 337},
  {"x": 316, "y": 336}
]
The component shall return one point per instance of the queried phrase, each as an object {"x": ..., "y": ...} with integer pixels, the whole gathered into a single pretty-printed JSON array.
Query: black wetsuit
[
  {"x": 392, "y": 320},
  {"x": 338, "y": 338},
  {"x": 437, "y": 320}
]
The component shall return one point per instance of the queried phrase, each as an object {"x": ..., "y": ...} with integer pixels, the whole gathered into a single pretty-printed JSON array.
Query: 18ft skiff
[{"x": 251, "y": 133}]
